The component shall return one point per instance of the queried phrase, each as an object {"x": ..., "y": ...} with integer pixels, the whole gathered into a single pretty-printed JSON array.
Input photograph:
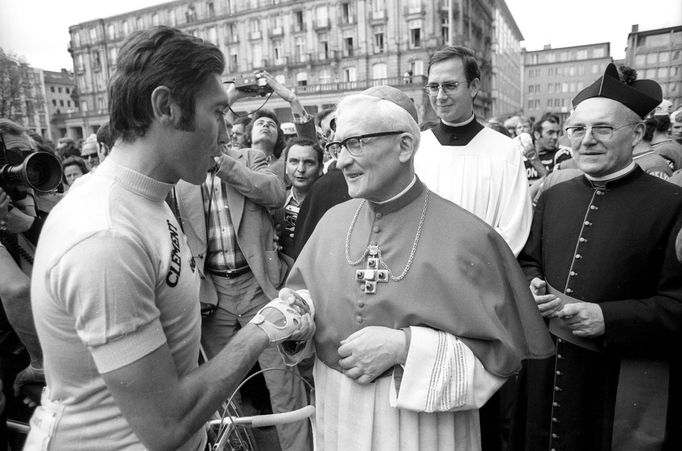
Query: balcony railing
[{"x": 416, "y": 81}]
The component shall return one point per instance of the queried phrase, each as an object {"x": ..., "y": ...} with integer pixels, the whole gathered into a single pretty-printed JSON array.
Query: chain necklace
[{"x": 376, "y": 249}]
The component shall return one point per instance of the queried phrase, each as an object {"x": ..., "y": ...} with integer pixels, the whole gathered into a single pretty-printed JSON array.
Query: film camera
[
  {"x": 257, "y": 85},
  {"x": 20, "y": 170}
]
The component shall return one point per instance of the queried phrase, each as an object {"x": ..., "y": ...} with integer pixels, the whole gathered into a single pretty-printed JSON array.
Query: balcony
[
  {"x": 255, "y": 35},
  {"x": 416, "y": 81},
  {"x": 414, "y": 10},
  {"x": 234, "y": 39},
  {"x": 276, "y": 31},
  {"x": 284, "y": 61},
  {"x": 322, "y": 24},
  {"x": 379, "y": 16}
]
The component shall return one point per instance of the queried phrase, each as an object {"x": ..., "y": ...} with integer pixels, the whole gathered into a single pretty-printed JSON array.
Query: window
[
  {"x": 111, "y": 34},
  {"x": 325, "y": 76},
  {"x": 84, "y": 106},
  {"x": 213, "y": 35},
  {"x": 379, "y": 40},
  {"x": 52, "y": 89},
  {"x": 571, "y": 71},
  {"x": 100, "y": 103},
  {"x": 662, "y": 72},
  {"x": 581, "y": 85},
  {"x": 572, "y": 87},
  {"x": 417, "y": 67},
  {"x": 663, "y": 57},
  {"x": 530, "y": 104},
  {"x": 234, "y": 62},
  {"x": 155, "y": 19},
  {"x": 651, "y": 58},
  {"x": 172, "y": 20},
  {"x": 557, "y": 87},
  {"x": 79, "y": 64},
  {"x": 564, "y": 87},
  {"x": 323, "y": 46},
  {"x": 379, "y": 71},
  {"x": 415, "y": 37},
  {"x": 96, "y": 61},
  {"x": 348, "y": 46},
  {"x": 581, "y": 54},
  {"x": 61, "y": 103},
  {"x": 650, "y": 73},
  {"x": 549, "y": 102},
  {"x": 551, "y": 57},
  {"x": 599, "y": 52},
  {"x": 59, "y": 90},
  {"x": 531, "y": 89},
  {"x": 349, "y": 74},
  {"x": 140, "y": 23},
  {"x": 346, "y": 13},
  {"x": 550, "y": 71},
  {"x": 126, "y": 28},
  {"x": 93, "y": 34},
  {"x": 301, "y": 79},
  {"x": 67, "y": 90},
  {"x": 257, "y": 54},
  {"x": 277, "y": 51},
  {"x": 254, "y": 26},
  {"x": 379, "y": 5},
  {"x": 321, "y": 16},
  {"x": 113, "y": 52},
  {"x": 68, "y": 103},
  {"x": 299, "y": 25},
  {"x": 581, "y": 70},
  {"x": 211, "y": 9},
  {"x": 54, "y": 102},
  {"x": 595, "y": 68},
  {"x": 190, "y": 14},
  {"x": 676, "y": 55},
  {"x": 550, "y": 87},
  {"x": 557, "y": 102},
  {"x": 299, "y": 47},
  {"x": 445, "y": 29},
  {"x": 76, "y": 39}
]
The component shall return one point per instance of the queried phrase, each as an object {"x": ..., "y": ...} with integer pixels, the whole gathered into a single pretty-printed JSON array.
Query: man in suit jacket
[{"x": 231, "y": 236}]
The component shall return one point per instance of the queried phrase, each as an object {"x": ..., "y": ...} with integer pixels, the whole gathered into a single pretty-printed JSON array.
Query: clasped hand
[
  {"x": 285, "y": 318},
  {"x": 369, "y": 352},
  {"x": 585, "y": 319}
]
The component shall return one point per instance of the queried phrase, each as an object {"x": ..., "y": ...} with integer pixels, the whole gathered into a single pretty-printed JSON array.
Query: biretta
[
  {"x": 641, "y": 96},
  {"x": 394, "y": 95}
]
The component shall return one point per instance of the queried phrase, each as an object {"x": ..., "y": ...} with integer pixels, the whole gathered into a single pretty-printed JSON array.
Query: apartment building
[{"x": 322, "y": 48}]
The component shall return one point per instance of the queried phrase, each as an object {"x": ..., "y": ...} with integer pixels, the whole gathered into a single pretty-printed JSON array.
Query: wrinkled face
[
  {"x": 375, "y": 173},
  {"x": 238, "y": 136},
  {"x": 90, "y": 155},
  {"x": 550, "y": 135},
  {"x": 676, "y": 131},
  {"x": 302, "y": 167},
  {"x": 459, "y": 105},
  {"x": 71, "y": 173},
  {"x": 199, "y": 146},
  {"x": 600, "y": 157},
  {"x": 264, "y": 132}
]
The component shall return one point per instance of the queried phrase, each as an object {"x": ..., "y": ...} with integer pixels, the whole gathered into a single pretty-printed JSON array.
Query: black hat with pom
[{"x": 641, "y": 96}]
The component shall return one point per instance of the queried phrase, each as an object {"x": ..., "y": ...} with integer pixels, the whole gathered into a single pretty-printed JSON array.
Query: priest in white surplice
[
  {"x": 473, "y": 166},
  {"x": 421, "y": 310}
]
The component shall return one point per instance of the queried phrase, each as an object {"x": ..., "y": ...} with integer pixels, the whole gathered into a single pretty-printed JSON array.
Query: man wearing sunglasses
[
  {"x": 601, "y": 263},
  {"x": 473, "y": 166}
]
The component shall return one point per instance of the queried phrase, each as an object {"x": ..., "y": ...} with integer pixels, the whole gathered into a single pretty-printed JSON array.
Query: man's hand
[
  {"x": 307, "y": 328},
  {"x": 285, "y": 93},
  {"x": 585, "y": 319},
  {"x": 29, "y": 375},
  {"x": 367, "y": 353},
  {"x": 548, "y": 304},
  {"x": 280, "y": 319},
  {"x": 4, "y": 206}
]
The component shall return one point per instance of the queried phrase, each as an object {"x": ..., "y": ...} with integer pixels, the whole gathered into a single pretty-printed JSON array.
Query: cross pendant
[{"x": 371, "y": 275}]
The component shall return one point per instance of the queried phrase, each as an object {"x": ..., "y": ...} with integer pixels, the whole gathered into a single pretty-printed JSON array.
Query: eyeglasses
[
  {"x": 449, "y": 87},
  {"x": 354, "y": 144},
  {"x": 599, "y": 132},
  {"x": 90, "y": 156}
]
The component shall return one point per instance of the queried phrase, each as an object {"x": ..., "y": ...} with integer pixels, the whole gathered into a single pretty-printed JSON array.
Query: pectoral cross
[{"x": 371, "y": 275}]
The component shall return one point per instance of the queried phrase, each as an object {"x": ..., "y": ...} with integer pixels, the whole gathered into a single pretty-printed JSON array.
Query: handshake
[{"x": 288, "y": 317}]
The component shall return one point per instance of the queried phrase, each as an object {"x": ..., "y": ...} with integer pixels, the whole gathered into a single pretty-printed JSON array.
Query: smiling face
[
  {"x": 302, "y": 167},
  {"x": 382, "y": 169},
  {"x": 458, "y": 106},
  {"x": 603, "y": 157},
  {"x": 547, "y": 139}
]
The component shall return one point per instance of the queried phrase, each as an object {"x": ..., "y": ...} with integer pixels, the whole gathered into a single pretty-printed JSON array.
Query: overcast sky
[{"x": 38, "y": 29}]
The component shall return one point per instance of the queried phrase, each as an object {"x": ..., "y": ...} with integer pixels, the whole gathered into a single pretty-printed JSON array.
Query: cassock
[
  {"x": 610, "y": 243},
  {"x": 480, "y": 170},
  {"x": 460, "y": 292}
]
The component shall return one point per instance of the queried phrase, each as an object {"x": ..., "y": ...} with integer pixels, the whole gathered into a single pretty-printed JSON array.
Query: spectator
[
  {"x": 238, "y": 137},
  {"x": 73, "y": 169},
  {"x": 90, "y": 152},
  {"x": 104, "y": 142}
]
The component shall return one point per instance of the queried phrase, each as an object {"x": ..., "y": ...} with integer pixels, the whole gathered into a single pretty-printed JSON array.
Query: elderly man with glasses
[
  {"x": 421, "y": 310},
  {"x": 601, "y": 263},
  {"x": 89, "y": 152}
]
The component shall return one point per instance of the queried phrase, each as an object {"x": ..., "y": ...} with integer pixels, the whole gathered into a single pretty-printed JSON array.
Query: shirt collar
[{"x": 615, "y": 175}]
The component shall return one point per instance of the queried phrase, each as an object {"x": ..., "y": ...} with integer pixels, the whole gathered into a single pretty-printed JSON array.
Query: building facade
[
  {"x": 323, "y": 48},
  {"x": 506, "y": 63},
  {"x": 552, "y": 77},
  {"x": 59, "y": 91},
  {"x": 657, "y": 55}
]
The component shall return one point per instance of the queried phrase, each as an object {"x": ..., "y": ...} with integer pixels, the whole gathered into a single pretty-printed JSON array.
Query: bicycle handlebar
[{"x": 272, "y": 419}]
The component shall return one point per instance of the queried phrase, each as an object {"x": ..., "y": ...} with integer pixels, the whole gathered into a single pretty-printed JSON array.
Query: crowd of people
[{"x": 443, "y": 286}]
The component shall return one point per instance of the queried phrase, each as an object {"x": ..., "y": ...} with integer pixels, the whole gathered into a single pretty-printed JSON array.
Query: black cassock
[{"x": 612, "y": 244}]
